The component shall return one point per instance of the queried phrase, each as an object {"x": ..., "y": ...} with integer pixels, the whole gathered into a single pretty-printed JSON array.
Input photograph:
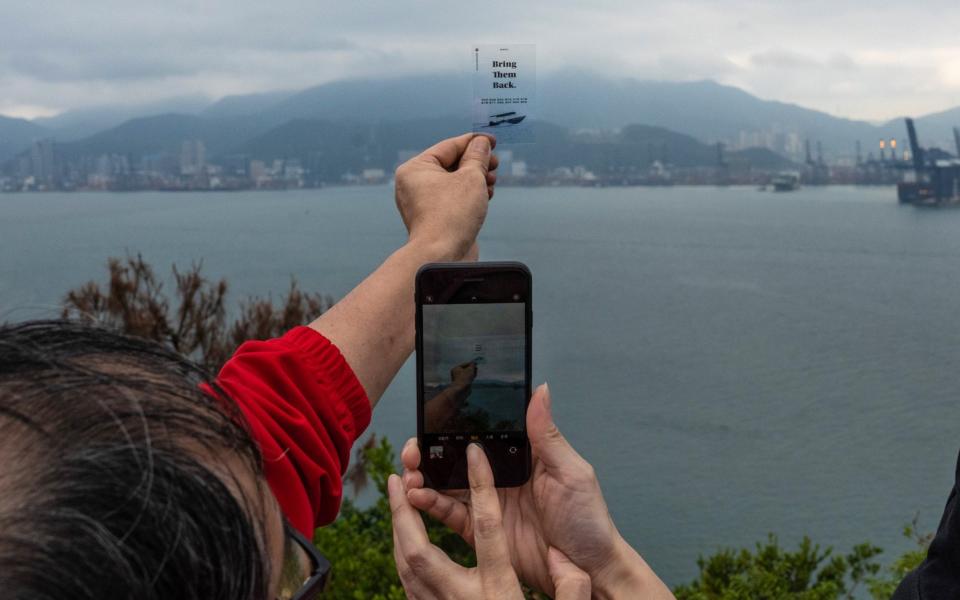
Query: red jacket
[{"x": 305, "y": 408}]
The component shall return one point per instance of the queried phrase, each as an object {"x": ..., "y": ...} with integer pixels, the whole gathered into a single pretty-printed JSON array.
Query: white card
[{"x": 504, "y": 91}]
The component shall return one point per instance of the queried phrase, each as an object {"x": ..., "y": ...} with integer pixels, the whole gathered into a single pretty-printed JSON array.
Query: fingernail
[
  {"x": 546, "y": 396},
  {"x": 482, "y": 144},
  {"x": 473, "y": 451}
]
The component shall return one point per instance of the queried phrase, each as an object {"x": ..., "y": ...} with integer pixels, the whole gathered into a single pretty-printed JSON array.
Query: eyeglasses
[{"x": 299, "y": 580}]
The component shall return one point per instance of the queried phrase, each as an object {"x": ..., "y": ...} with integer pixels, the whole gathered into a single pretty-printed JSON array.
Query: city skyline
[{"x": 838, "y": 57}]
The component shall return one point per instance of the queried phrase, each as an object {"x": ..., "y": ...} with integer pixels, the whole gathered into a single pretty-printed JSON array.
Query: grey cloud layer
[{"x": 841, "y": 56}]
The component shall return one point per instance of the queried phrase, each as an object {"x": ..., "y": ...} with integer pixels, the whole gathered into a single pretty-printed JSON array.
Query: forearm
[
  {"x": 373, "y": 326},
  {"x": 628, "y": 576}
]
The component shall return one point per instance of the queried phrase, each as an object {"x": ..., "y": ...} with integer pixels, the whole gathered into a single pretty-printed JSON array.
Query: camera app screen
[{"x": 473, "y": 367}]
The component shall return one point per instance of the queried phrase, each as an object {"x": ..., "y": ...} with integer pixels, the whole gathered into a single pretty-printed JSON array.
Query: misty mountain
[
  {"x": 762, "y": 158},
  {"x": 370, "y": 100},
  {"x": 330, "y": 148},
  {"x": 366, "y": 144},
  {"x": 17, "y": 135},
  {"x": 932, "y": 130},
  {"x": 327, "y": 148},
  {"x": 941, "y": 121},
  {"x": 703, "y": 109},
  {"x": 244, "y": 104},
  {"x": 706, "y": 110},
  {"x": 165, "y": 134},
  {"x": 76, "y": 124},
  {"x": 410, "y": 112},
  {"x": 634, "y": 146}
]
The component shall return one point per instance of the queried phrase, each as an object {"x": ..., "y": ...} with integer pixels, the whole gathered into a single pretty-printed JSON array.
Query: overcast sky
[{"x": 871, "y": 60}]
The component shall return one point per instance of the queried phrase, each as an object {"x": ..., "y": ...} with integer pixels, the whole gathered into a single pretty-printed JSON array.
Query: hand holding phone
[
  {"x": 561, "y": 506},
  {"x": 435, "y": 575}
]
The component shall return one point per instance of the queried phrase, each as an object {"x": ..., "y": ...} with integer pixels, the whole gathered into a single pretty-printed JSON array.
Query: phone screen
[
  {"x": 473, "y": 360},
  {"x": 474, "y": 368}
]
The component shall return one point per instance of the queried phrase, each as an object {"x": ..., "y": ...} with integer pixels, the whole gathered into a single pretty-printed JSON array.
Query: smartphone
[{"x": 474, "y": 327}]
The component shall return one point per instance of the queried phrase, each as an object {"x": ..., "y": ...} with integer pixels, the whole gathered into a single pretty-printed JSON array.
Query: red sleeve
[{"x": 305, "y": 408}]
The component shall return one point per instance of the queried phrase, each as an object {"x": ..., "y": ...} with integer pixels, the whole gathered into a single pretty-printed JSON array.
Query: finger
[
  {"x": 410, "y": 455},
  {"x": 448, "y": 152},
  {"x": 491, "y": 179},
  {"x": 494, "y": 162},
  {"x": 407, "y": 524},
  {"x": 412, "y": 479},
  {"x": 489, "y": 193},
  {"x": 546, "y": 440},
  {"x": 477, "y": 155},
  {"x": 449, "y": 511},
  {"x": 490, "y": 541},
  {"x": 569, "y": 581},
  {"x": 419, "y": 563}
]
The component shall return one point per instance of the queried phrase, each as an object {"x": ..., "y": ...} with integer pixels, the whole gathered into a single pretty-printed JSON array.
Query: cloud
[
  {"x": 783, "y": 59},
  {"x": 839, "y": 55},
  {"x": 54, "y": 67},
  {"x": 779, "y": 58}
]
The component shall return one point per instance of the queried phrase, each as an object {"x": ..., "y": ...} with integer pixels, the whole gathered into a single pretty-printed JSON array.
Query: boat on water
[
  {"x": 786, "y": 181},
  {"x": 510, "y": 118}
]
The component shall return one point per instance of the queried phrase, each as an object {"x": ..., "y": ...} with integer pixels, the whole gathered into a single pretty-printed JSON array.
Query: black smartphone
[{"x": 474, "y": 328}]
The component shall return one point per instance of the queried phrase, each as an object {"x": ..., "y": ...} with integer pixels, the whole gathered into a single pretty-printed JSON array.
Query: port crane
[{"x": 935, "y": 177}]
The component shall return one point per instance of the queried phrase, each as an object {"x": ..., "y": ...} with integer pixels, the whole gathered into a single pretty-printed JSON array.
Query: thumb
[
  {"x": 569, "y": 581},
  {"x": 547, "y": 442},
  {"x": 477, "y": 154}
]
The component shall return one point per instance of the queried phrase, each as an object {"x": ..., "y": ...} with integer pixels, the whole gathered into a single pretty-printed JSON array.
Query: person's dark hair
[{"x": 118, "y": 474}]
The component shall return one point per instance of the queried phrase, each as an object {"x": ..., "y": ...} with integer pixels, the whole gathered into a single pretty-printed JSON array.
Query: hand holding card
[{"x": 504, "y": 91}]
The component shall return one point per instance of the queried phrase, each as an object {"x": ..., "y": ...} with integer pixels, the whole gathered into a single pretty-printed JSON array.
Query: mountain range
[{"x": 425, "y": 107}]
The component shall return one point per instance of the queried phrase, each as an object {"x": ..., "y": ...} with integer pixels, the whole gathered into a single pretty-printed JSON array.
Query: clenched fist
[{"x": 442, "y": 193}]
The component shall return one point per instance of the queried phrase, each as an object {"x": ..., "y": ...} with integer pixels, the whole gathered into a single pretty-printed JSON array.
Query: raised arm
[{"x": 442, "y": 196}]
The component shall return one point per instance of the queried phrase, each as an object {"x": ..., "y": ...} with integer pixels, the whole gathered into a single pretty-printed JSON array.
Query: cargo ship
[{"x": 934, "y": 180}]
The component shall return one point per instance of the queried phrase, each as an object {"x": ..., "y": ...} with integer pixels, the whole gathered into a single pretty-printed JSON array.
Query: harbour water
[{"x": 733, "y": 362}]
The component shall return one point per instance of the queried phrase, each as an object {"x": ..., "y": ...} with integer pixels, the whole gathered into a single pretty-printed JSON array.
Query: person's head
[{"x": 120, "y": 478}]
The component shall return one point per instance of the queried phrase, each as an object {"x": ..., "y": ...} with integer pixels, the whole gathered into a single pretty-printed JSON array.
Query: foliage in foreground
[
  {"x": 193, "y": 322},
  {"x": 808, "y": 573},
  {"x": 360, "y": 542}
]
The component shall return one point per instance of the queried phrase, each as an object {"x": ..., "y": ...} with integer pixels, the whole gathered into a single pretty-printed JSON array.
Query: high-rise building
[
  {"x": 193, "y": 157},
  {"x": 43, "y": 165}
]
